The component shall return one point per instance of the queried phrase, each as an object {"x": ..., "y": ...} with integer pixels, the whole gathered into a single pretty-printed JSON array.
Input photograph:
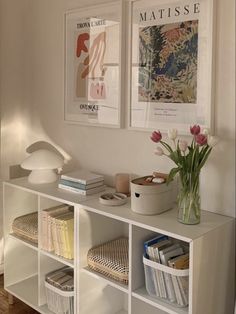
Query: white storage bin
[
  {"x": 59, "y": 302},
  {"x": 169, "y": 284},
  {"x": 151, "y": 198}
]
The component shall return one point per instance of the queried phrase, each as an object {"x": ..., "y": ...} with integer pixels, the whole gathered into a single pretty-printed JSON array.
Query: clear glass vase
[{"x": 189, "y": 207}]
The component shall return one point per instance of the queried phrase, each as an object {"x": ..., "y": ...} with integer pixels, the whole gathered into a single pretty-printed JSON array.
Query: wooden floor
[{"x": 17, "y": 308}]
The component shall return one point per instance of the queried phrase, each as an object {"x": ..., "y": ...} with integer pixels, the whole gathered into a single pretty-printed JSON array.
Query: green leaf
[
  {"x": 172, "y": 174},
  {"x": 204, "y": 159},
  {"x": 167, "y": 147}
]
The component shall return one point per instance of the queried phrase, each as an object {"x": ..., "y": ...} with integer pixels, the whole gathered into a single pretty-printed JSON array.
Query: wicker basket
[
  {"x": 26, "y": 227},
  {"x": 111, "y": 259},
  {"x": 59, "y": 288}
]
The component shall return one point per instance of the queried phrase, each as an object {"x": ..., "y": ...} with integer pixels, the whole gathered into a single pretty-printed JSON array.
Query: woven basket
[
  {"x": 26, "y": 227},
  {"x": 111, "y": 259}
]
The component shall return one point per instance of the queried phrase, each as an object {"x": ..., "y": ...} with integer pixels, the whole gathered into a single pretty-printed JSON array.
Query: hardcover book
[
  {"x": 82, "y": 176},
  {"x": 80, "y": 186},
  {"x": 82, "y": 192}
]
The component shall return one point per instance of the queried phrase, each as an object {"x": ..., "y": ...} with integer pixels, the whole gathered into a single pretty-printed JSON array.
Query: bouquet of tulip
[{"x": 189, "y": 160}]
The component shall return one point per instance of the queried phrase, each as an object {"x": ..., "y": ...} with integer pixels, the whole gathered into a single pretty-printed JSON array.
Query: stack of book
[
  {"x": 162, "y": 250},
  {"x": 82, "y": 182},
  {"x": 58, "y": 230}
]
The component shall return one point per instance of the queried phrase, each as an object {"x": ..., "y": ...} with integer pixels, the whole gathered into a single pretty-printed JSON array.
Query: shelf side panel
[
  {"x": 20, "y": 261},
  {"x": 212, "y": 272},
  {"x": 139, "y": 236},
  {"x": 17, "y": 203}
]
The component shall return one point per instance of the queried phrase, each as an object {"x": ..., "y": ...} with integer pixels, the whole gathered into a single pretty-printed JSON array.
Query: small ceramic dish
[{"x": 113, "y": 199}]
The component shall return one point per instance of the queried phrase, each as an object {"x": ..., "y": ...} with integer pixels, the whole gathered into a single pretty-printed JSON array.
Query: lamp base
[{"x": 42, "y": 176}]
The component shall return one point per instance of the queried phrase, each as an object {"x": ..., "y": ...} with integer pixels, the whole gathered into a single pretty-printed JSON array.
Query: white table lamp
[{"x": 43, "y": 163}]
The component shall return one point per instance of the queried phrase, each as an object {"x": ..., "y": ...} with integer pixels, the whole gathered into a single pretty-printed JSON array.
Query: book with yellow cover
[
  {"x": 69, "y": 233},
  {"x": 46, "y": 239},
  {"x": 180, "y": 283},
  {"x": 66, "y": 235},
  {"x": 59, "y": 238},
  {"x": 65, "y": 224},
  {"x": 52, "y": 231}
]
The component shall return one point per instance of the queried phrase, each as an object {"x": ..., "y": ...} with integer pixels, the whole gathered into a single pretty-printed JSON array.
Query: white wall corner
[{"x": 1, "y": 268}]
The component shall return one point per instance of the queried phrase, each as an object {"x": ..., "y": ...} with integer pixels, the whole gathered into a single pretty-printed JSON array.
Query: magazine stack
[{"x": 166, "y": 266}]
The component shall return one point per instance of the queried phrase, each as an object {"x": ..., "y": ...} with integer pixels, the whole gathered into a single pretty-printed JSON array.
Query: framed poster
[
  {"x": 170, "y": 64},
  {"x": 93, "y": 65}
]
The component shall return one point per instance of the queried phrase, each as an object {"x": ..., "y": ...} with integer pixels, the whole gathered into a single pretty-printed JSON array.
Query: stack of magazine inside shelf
[
  {"x": 163, "y": 250},
  {"x": 82, "y": 182},
  {"x": 58, "y": 230}
]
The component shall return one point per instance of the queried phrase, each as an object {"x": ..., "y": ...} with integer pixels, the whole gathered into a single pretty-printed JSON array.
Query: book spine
[
  {"x": 44, "y": 230},
  {"x": 72, "y": 189},
  {"x": 69, "y": 234},
  {"x": 64, "y": 177},
  {"x": 179, "y": 298},
  {"x": 169, "y": 287},
  {"x": 50, "y": 246},
  {"x": 84, "y": 182},
  {"x": 54, "y": 236},
  {"x": 67, "y": 240},
  {"x": 154, "y": 271},
  {"x": 82, "y": 192},
  {"x": 79, "y": 185},
  {"x": 153, "y": 241},
  {"x": 65, "y": 249},
  {"x": 183, "y": 286},
  {"x": 160, "y": 275},
  {"x": 168, "y": 281},
  {"x": 59, "y": 237}
]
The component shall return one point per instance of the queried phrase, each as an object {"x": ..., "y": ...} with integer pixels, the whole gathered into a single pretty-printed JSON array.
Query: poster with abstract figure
[
  {"x": 168, "y": 62},
  {"x": 93, "y": 65},
  {"x": 91, "y": 70}
]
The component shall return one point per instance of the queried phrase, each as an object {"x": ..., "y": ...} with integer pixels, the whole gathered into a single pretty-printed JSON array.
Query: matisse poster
[
  {"x": 169, "y": 73},
  {"x": 170, "y": 64},
  {"x": 92, "y": 83}
]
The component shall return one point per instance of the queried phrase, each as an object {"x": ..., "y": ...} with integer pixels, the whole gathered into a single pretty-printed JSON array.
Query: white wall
[{"x": 32, "y": 102}]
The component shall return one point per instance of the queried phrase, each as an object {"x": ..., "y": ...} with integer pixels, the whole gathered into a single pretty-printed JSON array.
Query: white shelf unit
[
  {"x": 211, "y": 245},
  {"x": 26, "y": 264}
]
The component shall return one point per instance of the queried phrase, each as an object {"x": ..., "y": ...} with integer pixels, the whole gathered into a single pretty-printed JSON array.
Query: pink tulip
[
  {"x": 183, "y": 145},
  {"x": 201, "y": 139},
  {"x": 156, "y": 136},
  {"x": 159, "y": 151},
  {"x": 195, "y": 130}
]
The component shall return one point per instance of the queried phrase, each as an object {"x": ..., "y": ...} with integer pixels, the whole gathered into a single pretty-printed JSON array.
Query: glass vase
[{"x": 189, "y": 210}]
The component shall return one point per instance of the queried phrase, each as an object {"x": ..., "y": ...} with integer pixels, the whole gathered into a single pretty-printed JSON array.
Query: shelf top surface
[
  {"x": 51, "y": 190},
  {"x": 164, "y": 223}
]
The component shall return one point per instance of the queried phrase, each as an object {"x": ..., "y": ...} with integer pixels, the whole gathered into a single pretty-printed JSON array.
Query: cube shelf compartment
[{"x": 94, "y": 224}]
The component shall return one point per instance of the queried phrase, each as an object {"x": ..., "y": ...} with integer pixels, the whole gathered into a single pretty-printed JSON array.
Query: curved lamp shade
[{"x": 42, "y": 163}]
